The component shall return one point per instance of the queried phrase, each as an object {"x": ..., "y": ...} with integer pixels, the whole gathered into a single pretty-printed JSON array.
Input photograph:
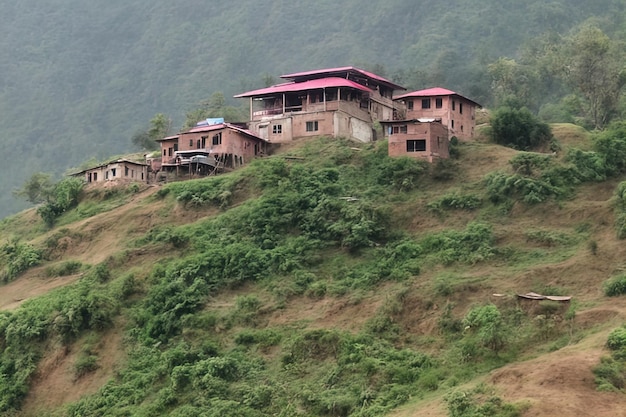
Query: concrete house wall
[
  {"x": 335, "y": 102},
  {"x": 456, "y": 112},
  {"x": 121, "y": 170},
  {"x": 222, "y": 141},
  {"x": 426, "y": 140}
]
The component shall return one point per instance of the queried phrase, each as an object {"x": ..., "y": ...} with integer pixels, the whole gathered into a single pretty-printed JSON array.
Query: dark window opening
[
  {"x": 453, "y": 104},
  {"x": 409, "y": 105},
  {"x": 426, "y": 103},
  {"x": 461, "y": 108},
  {"x": 416, "y": 145},
  {"x": 204, "y": 141},
  {"x": 198, "y": 144},
  {"x": 191, "y": 143},
  {"x": 217, "y": 139},
  {"x": 126, "y": 171},
  {"x": 438, "y": 103},
  {"x": 403, "y": 129},
  {"x": 277, "y": 129},
  {"x": 312, "y": 126}
]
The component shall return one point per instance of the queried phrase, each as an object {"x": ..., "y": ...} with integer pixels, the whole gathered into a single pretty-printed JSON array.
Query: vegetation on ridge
[{"x": 332, "y": 225}]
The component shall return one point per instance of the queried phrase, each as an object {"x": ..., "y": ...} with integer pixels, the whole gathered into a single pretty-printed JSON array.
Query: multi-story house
[
  {"x": 456, "y": 112},
  {"x": 210, "y": 145},
  {"x": 343, "y": 101},
  {"x": 417, "y": 138}
]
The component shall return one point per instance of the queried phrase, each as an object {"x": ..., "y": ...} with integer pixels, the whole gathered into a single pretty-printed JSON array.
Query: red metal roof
[
  {"x": 433, "y": 92},
  {"x": 305, "y": 86},
  {"x": 220, "y": 126},
  {"x": 343, "y": 69}
]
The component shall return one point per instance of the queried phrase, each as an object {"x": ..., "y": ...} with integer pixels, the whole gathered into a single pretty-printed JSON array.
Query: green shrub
[
  {"x": 615, "y": 286},
  {"x": 519, "y": 129},
  {"x": 617, "y": 339},
  {"x": 487, "y": 323},
  {"x": 17, "y": 257},
  {"x": 64, "y": 269},
  {"x": 610, "y": 372},
  {"x": 526, "y": 163},
  {"x": 455, "y": 201}
]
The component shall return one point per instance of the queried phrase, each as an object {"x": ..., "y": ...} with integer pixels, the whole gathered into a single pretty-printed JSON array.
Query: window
[
  {"x": 453, "y": 104},
  {"x": 416, "y": 145},
  {"x": 312, "y": 126},
  {"x": 217, "y": 139},
  {"x": 277, "y": 129},
  {"x": 169, "y": 151},
  {"x": 403, "y": 129},
  {"x": 409, "y": 105},
  {"x": 461, "y": 108},
  {"x": 126, "y": 171},
  {"x": 452, "y": 123},
  {"x": 438, "y": 103},
  {"x": 198, "y": 144},
  {"x": 190, "y": 143},
  {"x": 426, "y": 103},
  {"x": 164, "y": 152},
  {"x": 204, "y": 141},
  {"x": 113, "y": 172}
]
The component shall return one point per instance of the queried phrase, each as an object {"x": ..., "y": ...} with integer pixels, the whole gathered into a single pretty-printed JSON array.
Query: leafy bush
[
  {"x": 17, "y": 258},
  {"x": 474, "y": 244},
  {"x": 526, "y": 163},
  {"x": 64, "y": 196},
  {"x": 519, "y": 129},
  {"x": 615, "y": 286},
  {"x": 617, "y": 339},
  {"x": 455, "y": 201},
  {"x": 611, "y": 145},
  {"x": 473, "y": 403},
  {"x": 64, "y": 268},
  {"x": 487, "y": 323}
]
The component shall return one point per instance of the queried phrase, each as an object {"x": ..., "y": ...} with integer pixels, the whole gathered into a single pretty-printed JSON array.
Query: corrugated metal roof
[
  {"x": 433, "y": 92},
  {"x": 343, "y": 69},
  {"x": 221, "y": 126},
  {"x": 305, "y": 86}
]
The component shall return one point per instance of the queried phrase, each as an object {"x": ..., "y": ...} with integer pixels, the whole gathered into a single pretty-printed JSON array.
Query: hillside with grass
[{"x": 328, "y": 279}]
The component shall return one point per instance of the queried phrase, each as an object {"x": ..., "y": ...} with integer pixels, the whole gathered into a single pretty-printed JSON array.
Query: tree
[
  {"x": 213, "y": 107},
  {"x": 512, "y": 81},
  {"x": 37, "y": 189},
  {"x": 160, "y": 126},
  {"x": 593, "y": 65},
  {"x": 519, "y": 129}
]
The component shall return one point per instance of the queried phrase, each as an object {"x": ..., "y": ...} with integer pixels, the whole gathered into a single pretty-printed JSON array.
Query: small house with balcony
[
  {"x": 336, "y": 102},
  {"x": 456, "y": 112},
  {"x": 417, "y": 138},
  {"x": 208, "y": 147}
]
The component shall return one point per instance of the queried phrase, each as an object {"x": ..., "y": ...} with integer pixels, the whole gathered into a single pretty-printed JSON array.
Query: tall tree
[
  {"x": 594, "y": 66},
  {"x": 160, "y": 127}
]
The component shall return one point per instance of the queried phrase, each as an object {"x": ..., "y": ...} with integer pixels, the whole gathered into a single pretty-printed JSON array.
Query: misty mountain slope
[{"x": 78, "y": 79}]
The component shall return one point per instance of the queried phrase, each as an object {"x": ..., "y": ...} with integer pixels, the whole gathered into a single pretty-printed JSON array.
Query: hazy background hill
[{"x": 78, "y": 78}]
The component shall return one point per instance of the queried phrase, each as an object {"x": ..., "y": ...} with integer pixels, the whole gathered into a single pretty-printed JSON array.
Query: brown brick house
[
  {"x": 417, "y": 138},
  {"x": 343, "y": 101},
  {"x": 209, "y": 146},
  {"x": 456, "y": 112}
]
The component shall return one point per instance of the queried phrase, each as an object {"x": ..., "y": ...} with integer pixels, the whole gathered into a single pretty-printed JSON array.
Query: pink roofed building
[
  {"x": 456, "y": 112},
  {"x": 209, "y": 147},
  {"x": 336, "y": 102}
]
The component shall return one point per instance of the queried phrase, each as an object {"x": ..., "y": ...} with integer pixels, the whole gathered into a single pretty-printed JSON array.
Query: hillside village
[{"x": 337, "y": 102}]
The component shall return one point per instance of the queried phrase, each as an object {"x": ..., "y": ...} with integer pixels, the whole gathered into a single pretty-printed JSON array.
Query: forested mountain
[{"x": 78, "y": 79}]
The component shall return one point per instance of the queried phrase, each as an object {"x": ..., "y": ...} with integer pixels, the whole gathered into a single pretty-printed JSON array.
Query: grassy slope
[{"x": 545, "y": 378}]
